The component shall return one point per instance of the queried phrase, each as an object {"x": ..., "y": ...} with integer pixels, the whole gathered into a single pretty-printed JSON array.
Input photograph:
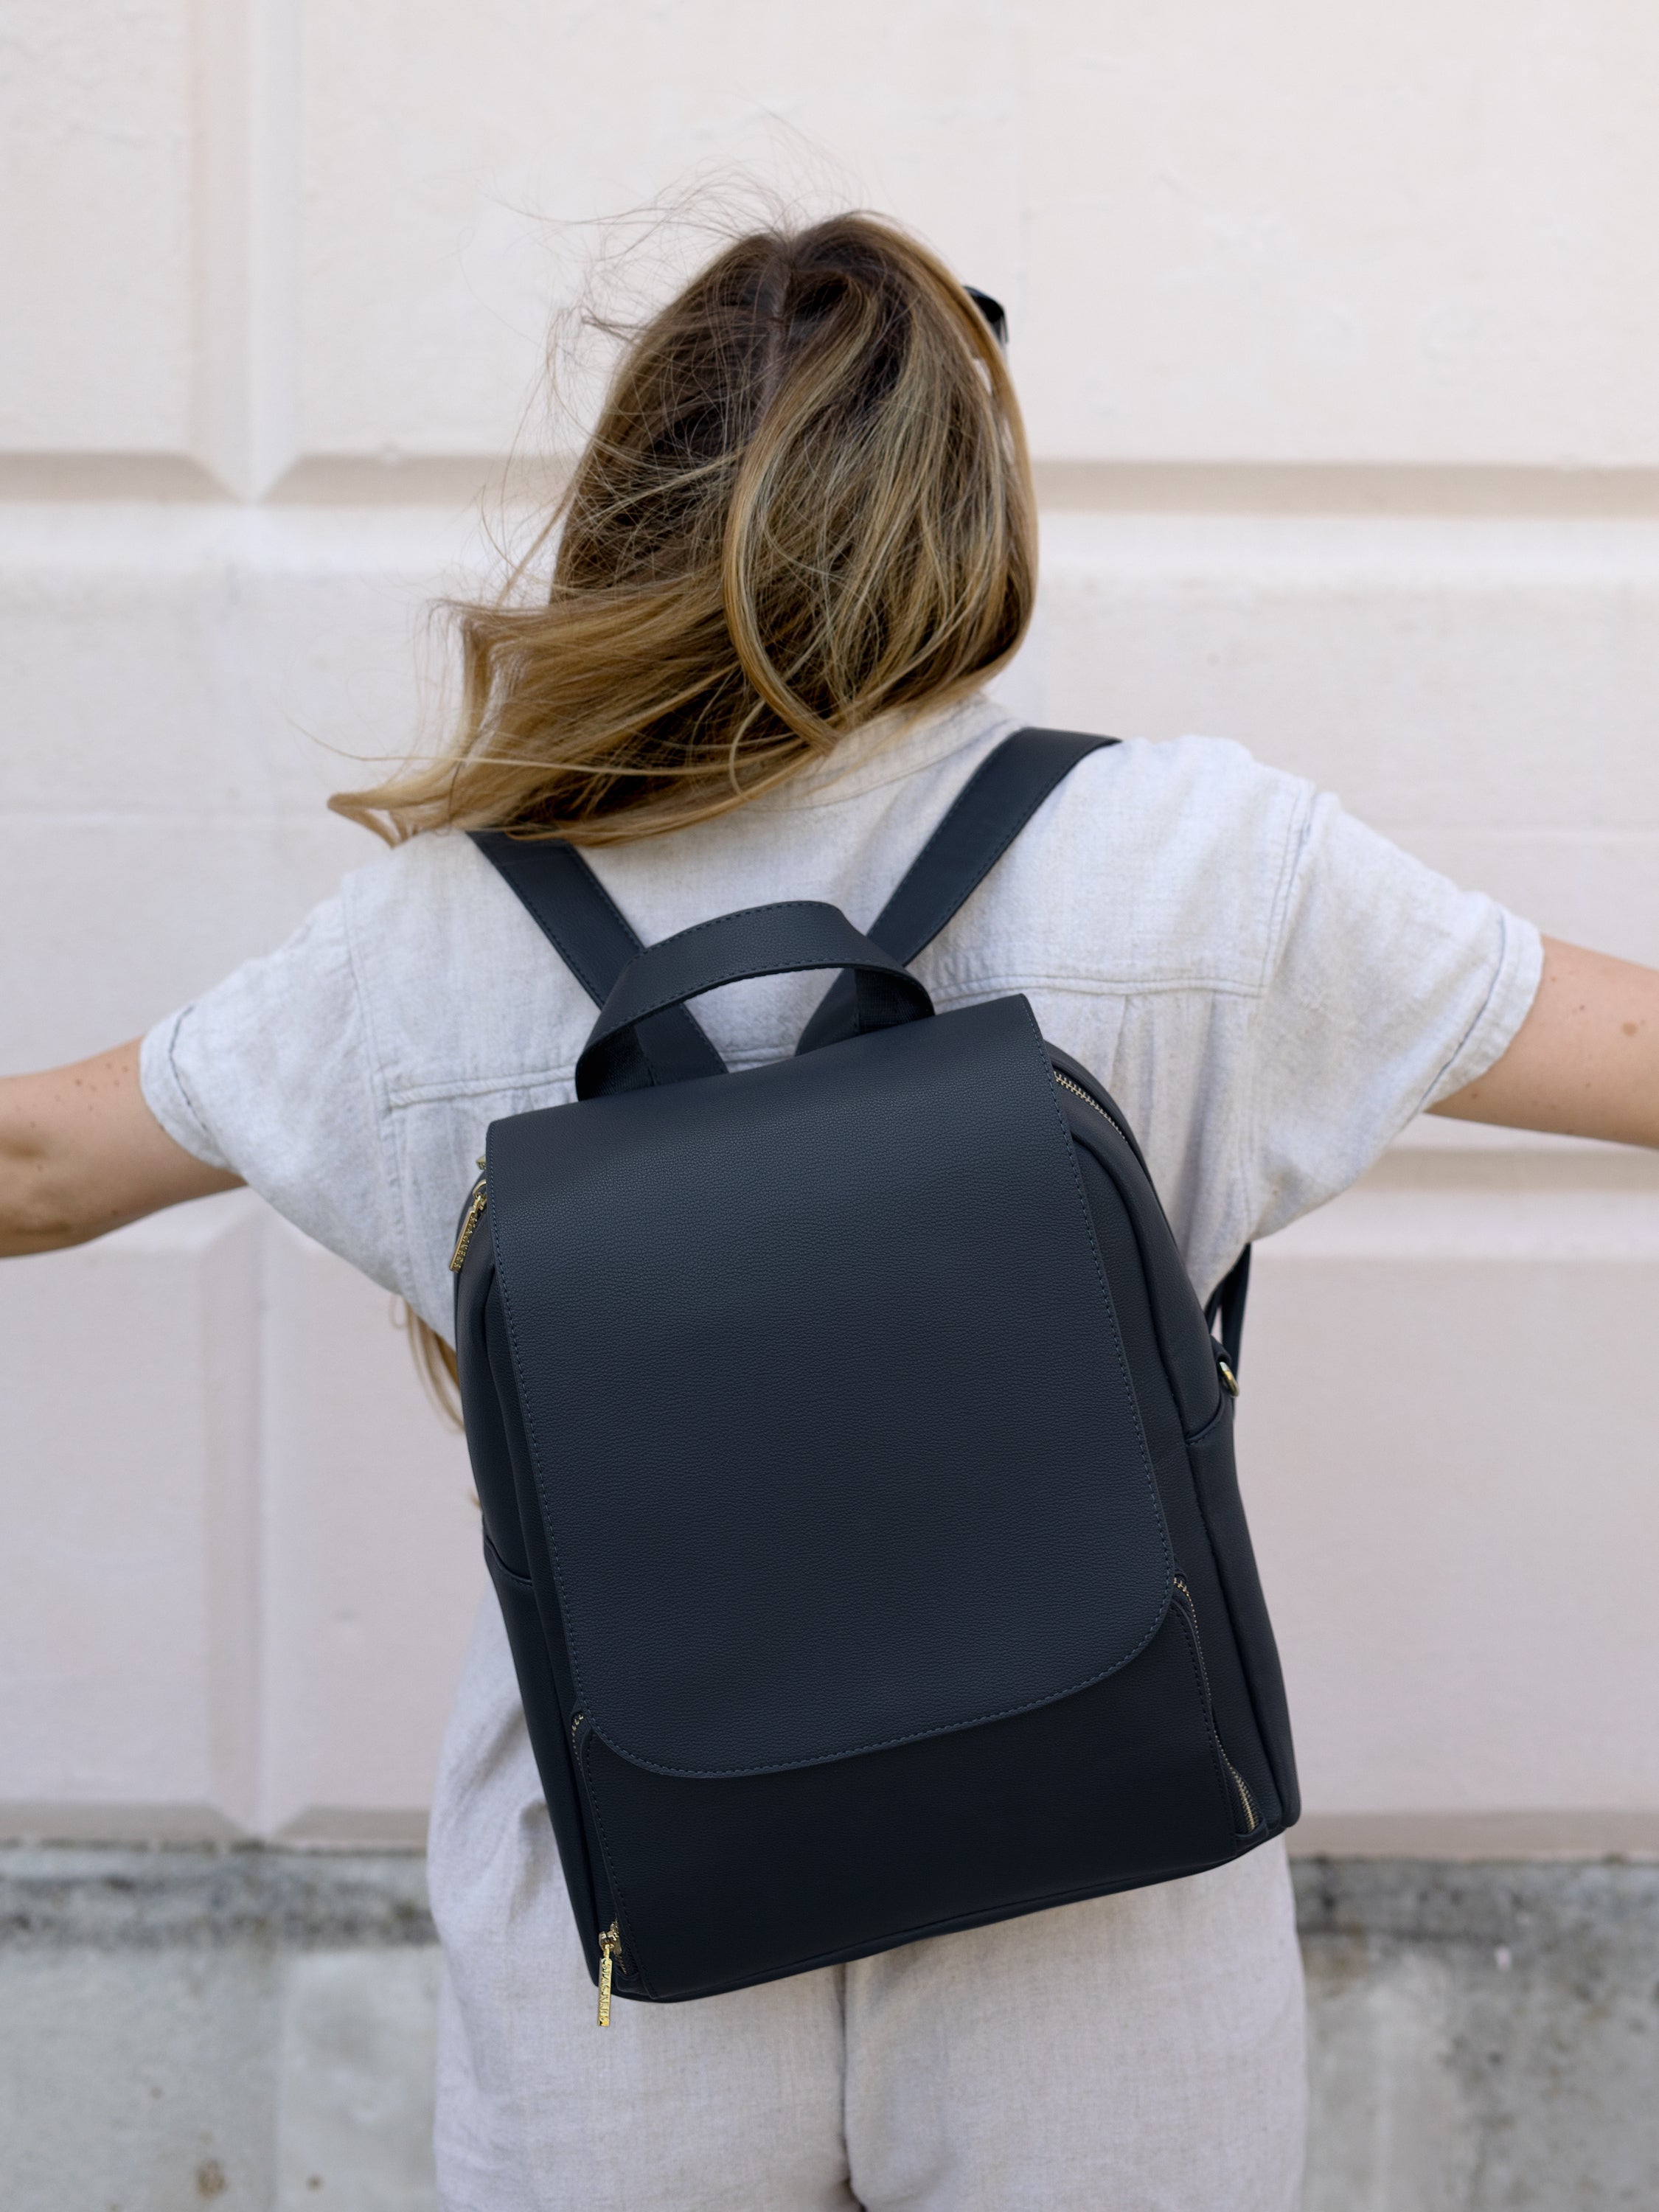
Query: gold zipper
[
  {"x": 1244, "y": 1796},
  {"x": 470, "y": 1221},
  {"x": 610, "y": 1944},
  {"x": 1077, "y": 1091}
]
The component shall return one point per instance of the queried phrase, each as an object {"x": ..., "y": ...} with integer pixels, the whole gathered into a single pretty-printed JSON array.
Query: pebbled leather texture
[
  {"x": 856, "y": 1475},
  {"x": 835, "y": 1402}
]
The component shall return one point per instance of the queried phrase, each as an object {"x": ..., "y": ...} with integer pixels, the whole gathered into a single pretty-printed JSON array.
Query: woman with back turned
[{"x": 798, "y": 546}]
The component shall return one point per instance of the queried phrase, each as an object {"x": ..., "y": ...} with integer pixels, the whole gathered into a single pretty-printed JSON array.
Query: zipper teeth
[
  {"x": 610, "y": 1938},
  {"x": 1077, "y": 1091},
  {"x": 610, "y": 1944},
  {"x": 1244, "y": 1796},
  {"x": 470, "y": 1222}
]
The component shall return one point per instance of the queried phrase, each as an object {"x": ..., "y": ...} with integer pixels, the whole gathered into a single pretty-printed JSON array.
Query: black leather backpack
[{"x": 855, "y": 1459}]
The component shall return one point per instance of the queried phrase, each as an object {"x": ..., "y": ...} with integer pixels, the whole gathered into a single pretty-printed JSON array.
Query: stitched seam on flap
[
  {"x": 915, "y": 1736},
  {"x": 1059, "y": 1112},
  {"x": 558, "y": 1576},
  {"x": 535, "y": 1453},
  {"x": 1008, "y": 1712}
]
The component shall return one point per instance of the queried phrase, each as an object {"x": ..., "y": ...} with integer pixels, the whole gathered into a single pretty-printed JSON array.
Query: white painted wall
[{"x": 1339, "y": 334}]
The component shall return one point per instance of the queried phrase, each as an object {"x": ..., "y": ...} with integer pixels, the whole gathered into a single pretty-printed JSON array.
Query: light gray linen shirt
[{"x": 1269, "y": 990}]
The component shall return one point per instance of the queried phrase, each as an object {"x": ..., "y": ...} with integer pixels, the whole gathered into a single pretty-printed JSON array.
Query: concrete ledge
[
  {"x": 1481, "y": 2036},
  {"x": 1529, "y": 1908},
  {"x": 256, "y": 2027},
  {"x": 109, "y": 1898},
  {"x": 252, "y": 2028},
  {"x": 1612, "y": 1833}
]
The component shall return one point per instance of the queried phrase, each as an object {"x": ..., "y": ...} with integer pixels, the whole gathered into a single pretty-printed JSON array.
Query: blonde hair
[{"x": 806, "y": 503}]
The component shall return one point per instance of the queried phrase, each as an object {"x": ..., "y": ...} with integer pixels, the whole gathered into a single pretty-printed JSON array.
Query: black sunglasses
[{"x": 992, "y": 311}]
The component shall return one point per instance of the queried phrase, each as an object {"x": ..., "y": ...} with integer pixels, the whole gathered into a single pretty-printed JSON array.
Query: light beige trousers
[{"x": 1141, "y": 2053}]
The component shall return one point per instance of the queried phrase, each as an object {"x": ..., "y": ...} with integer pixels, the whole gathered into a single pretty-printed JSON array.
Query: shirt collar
[{"x": 888, "y": 749}]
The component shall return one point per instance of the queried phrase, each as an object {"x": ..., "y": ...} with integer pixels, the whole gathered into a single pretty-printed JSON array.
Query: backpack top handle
[
  {"x": 791, "y": 936},
  {"x": 577, "y": 915}
]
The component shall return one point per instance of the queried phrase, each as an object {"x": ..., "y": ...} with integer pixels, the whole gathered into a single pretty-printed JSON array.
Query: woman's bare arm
[
  {"x": 1585, "y": 1062},
  {"x": 81, "y": 1153}
]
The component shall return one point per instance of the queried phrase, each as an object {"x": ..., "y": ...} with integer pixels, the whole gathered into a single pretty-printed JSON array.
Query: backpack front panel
[
  {"x": 1159, "y": 1770},
  {"x": 726, "y": 1883}
]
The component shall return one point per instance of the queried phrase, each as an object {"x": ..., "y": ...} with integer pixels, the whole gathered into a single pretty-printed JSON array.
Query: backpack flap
[{"x": 880, "y": 1473}]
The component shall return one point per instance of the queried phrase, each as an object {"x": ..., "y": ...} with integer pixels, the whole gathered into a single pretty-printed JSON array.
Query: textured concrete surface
[
  {"x": 249, "y": 2029},
  {"x": 254, "y": 2029},
  {"x": 1486, "y": 2038}
]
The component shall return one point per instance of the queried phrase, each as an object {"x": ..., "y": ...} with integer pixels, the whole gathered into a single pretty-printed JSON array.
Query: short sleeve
[
  {"x": 272, "y": 1075},
  {"x": 1388, "y": 989}
]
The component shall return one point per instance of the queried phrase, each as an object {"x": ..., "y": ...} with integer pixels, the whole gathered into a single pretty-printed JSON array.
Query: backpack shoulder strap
[
  {"x": 989, "y": 811},
  {"x": 1227, "y": 1300},
  {"x": 578, "y": 916},
  {"x": 994, "y": 805}
]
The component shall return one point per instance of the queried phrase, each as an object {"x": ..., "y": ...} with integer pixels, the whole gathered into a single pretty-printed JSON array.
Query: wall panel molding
[
  {"x": 1341, "y": 401},
  {"x": 246, "y": 211},
  {"x": 394, "y": 478},
  {"x": 1378, "y": 489}
]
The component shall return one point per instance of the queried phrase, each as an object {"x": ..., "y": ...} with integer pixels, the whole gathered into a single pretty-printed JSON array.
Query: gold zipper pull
[
  {"x": 469, "y": 1223},
  {"x": 609, "y": 1944}
]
